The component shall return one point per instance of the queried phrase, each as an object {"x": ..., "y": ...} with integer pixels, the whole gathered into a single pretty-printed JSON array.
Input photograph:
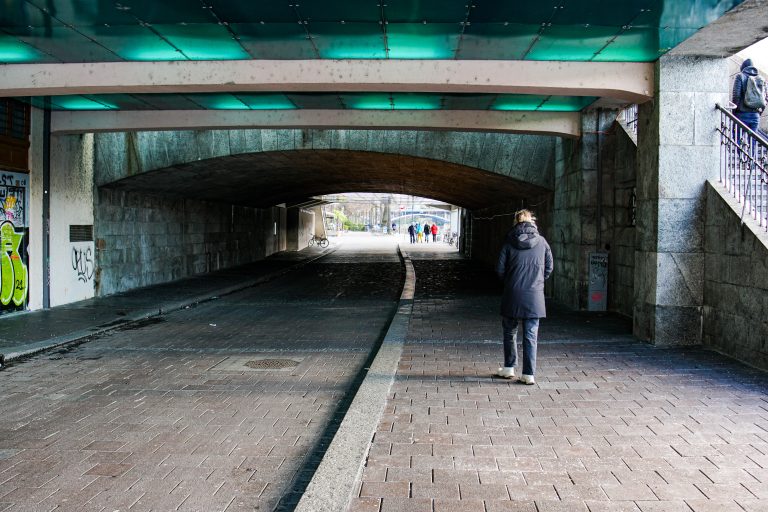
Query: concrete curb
[
  {"x": 84, "y": 335},
  {"x": 334, "y": 483}
]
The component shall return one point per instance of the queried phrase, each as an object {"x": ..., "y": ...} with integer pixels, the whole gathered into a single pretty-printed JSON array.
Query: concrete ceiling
[{"x": 267, "y": 179}]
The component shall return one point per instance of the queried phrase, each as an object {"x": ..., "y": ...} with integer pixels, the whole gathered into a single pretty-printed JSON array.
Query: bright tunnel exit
[{"x": 412, "y": 221}]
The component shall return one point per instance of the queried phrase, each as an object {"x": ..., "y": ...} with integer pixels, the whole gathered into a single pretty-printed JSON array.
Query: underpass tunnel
[{"x": 205, "y": 215}]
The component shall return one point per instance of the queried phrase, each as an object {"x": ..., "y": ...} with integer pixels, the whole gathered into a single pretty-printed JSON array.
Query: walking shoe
[
  {"x": 527, "y": 379},
  {"x": 506, "y": 372}
]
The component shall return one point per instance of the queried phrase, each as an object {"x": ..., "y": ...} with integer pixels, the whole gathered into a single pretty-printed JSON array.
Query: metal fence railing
[
  {"x": 630, "y": 117},
  {"x": 744, "y": 166}
]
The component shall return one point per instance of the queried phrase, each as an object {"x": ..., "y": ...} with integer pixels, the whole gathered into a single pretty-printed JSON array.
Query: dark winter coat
[
  {"x": 747, "y": 70},
  {"x": 524, "y": 263}
]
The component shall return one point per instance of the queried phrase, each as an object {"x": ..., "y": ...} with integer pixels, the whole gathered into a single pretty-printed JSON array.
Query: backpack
[{"x": 754, "y": 93}]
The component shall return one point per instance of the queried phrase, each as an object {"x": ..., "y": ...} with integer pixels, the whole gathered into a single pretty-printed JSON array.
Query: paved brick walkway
[
  {"x": 172, "y": 415},
  {"x": 612, "y": 425},
  {"x": 20, "y": 331}
]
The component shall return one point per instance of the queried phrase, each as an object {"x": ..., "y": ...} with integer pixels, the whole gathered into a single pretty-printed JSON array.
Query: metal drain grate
[{"x": 271, "y": 364}]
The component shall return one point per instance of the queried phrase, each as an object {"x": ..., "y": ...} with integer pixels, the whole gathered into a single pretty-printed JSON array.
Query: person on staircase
[{"x": 749, "y": 96}]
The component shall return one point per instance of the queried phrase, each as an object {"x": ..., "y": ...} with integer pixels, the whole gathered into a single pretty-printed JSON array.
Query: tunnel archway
[
  {"x": 527, "y": 158},
  {"x": 267, "y": 179}
]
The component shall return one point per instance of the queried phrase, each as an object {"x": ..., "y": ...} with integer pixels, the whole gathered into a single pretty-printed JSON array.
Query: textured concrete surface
[
  {"x": 171, "y": 415},
  {"x": 612, "y": 424}
]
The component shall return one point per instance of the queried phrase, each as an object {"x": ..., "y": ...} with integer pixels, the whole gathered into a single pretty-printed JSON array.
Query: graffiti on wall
[
  {"x": 82, "y": 263},
  {"x": 13, "y": 198},
  {"x": 14, "y": 274}
]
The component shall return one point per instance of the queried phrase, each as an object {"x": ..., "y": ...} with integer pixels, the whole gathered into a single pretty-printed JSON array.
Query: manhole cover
[
  {"x": 271, "y": 364},
  {"x": 255, "y": 363}
]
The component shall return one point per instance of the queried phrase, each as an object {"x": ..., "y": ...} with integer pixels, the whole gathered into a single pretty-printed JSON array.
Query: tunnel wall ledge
[{"x": 735, "y": 313}]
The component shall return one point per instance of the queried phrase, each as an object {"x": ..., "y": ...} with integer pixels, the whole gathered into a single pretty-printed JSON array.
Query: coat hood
[
  {"x": 748, "y": 68},
  {"x": 524, "y": 236}
]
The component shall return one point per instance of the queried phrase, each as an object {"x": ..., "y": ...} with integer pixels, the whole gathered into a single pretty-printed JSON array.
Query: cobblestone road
[
  {"x": 612, "y": 425},
  {"x": 174, "y": 414}
]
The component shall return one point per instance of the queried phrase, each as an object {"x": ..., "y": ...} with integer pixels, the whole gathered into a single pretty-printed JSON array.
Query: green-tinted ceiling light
[
  {"x": 419, "y": 41},
  {"x": 226, "y": 103},
  {"x": 416, "y": 101},
  {"x": 153, "y": 54},
  {"x": 81, "y": 103},
  {"x": 14, "y": 51},
  {"x": 267, "y": 101},
  {"x": 367, "y": 101},
  {"x": 515, "y": 102}
]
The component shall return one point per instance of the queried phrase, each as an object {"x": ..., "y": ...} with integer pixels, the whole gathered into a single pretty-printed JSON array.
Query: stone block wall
[
  {"x": 619, "y": 161},
  {"x": 678, "y": 151},
  {"x": 567, "y": 224},
  {"x": 736, "y": 281},
  {"x": 145, "y": 239},
  {"x": 594, "y": 186}
]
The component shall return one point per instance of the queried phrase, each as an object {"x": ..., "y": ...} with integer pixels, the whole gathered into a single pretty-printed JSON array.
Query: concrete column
[
  {"x": 35, "y": 205},
  {"x": 292, "y": 230},
  {"x": 319, "y": 228},
  {"x": 576, "y": 210},
  {"x": 678, "y": 150}
]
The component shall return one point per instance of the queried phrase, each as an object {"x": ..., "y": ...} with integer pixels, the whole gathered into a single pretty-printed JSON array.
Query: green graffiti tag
[{"x": 13, "y": 271}]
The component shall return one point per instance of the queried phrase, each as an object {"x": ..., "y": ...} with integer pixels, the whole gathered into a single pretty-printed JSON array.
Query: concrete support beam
[
  {"x": 631, "y": 82},
  {"x": 742, "y": 26},
  {"x": 565, "y": 124}
]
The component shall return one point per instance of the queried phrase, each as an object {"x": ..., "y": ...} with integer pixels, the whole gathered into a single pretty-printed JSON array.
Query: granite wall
[
  {"x": 678, "y": 150},
  {"x": 619, "y": 161},
  {"x": 143, "y": 239},
  {"x": 736, "y": 281},
  {"x": 579, "y": 176}
]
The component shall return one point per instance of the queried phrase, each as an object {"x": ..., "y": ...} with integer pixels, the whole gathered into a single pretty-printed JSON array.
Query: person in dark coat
[
  {"x": 427, "y": 231},
  {"x": 412, "y": 233},
  {"x": 748, "y": 116},
  {"x": 524, "y": 263}
]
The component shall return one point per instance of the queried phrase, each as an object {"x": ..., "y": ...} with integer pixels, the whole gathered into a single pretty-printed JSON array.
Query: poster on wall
[
  {"x": 14, "y": 239},
  {"x": 598, "y": 281}
]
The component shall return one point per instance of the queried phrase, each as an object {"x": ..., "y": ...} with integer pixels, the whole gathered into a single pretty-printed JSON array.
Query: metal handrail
[
  {"x": 744, "y": 165},
  {"x": 630, "y": 114}
]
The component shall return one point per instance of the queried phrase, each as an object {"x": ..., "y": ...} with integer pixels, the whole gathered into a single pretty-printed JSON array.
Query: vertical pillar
[
  {"x": 678, "y": 150},
  {"x": 292, "y": 229},
  {"x": 578, "y": 204},
  {"x": 46, "y": 256}
]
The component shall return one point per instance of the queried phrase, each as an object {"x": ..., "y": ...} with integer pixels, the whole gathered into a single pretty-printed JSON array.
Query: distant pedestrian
[
  {"x": 524, "y": 263},
  {"x": 394, "y": 228},
  {"x": 412, "y": 233},
  {"x": 434, "y": 232},
  {"x": 749, "y": 96},
  {"x": 427, "y": 229},
  {"x": 419, "y": 232}
]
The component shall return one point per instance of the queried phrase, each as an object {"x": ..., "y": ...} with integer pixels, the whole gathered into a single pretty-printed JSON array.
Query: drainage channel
[{"x": 330, "y": 477}]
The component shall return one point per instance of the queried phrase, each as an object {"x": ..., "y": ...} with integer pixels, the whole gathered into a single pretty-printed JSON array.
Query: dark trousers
[{"x": 530, "y": 338}]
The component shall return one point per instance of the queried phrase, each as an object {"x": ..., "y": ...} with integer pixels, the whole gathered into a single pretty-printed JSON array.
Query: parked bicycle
[
  {"x": 319, "y": 240},
  {"x": 452, "y": 238}
]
